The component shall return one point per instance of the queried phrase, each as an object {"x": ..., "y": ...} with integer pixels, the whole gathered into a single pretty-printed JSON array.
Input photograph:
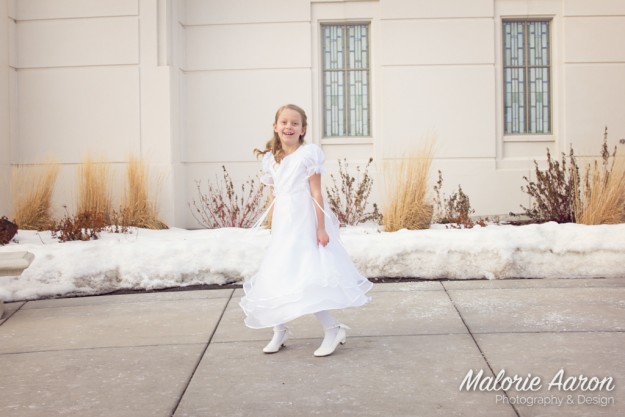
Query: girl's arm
[{"x": 315, "y": 191}]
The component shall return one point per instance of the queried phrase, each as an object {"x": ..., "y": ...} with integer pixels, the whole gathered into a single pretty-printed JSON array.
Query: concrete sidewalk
[{"x": 189, "y": 354}]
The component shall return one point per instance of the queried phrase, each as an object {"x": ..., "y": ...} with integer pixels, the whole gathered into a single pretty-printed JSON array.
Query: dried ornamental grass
[
  {"x": 603, "y": 193},
  {"x": 31, "y": 190},
  {"x": 94, "y": 195},
  {"x": 408, "y": 205},
  {"x": 605, "y": 204},
  {"x": 138, "y": 208}
]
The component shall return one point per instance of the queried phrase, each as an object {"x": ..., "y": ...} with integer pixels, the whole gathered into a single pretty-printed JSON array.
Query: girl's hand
[{"x": 322, "y": 237}]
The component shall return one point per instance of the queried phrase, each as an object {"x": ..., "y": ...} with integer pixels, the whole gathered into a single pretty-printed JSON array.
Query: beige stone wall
[
  {"x": 5, "y": 112},
  {"x": 594, "y": 73},
  {"x": 191, "y": 85},
  {"x": 91, "y": 79},
  {"x": 438, "y": 75},
  {"x": 242, "y": 60},
  {"x": 78, "y": 79},
  {"x": 441, "y": 70}
]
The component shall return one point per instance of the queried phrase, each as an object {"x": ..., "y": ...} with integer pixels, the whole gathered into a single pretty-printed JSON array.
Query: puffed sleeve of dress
[
  {"x": 266, "y": 177},
  {"x": 313, "y": 160}
]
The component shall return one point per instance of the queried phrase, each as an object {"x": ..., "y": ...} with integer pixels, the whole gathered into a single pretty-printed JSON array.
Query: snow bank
[{"x": 148, "y": 259}]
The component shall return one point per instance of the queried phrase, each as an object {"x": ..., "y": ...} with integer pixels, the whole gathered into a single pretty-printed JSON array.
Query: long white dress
[{"x": 297, "y": 275}]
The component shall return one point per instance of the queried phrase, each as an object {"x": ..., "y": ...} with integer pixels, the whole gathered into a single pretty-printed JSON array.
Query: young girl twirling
[{"x": 306, "y": 270}]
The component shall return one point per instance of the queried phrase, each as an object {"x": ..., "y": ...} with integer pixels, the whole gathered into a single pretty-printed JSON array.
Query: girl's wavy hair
[{"x": 274, "y": 145}]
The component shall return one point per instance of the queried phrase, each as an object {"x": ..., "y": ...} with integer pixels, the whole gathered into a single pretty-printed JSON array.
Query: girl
[{"x": 306, "y": 270}]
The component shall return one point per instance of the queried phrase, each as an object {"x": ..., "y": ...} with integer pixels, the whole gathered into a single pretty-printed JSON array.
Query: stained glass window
[
  {"x": 346, "y": 107},
  {"x": 527, "y": 77}
]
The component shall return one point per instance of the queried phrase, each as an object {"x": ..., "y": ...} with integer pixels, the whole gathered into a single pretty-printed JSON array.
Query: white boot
[
  {"x": 334, "y": 336},
  {"x": 280, "y": 335}
]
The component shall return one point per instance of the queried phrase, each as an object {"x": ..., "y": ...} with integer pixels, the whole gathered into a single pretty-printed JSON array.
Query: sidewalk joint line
[
  {"x": 552, "y": 331},
  {"x": 32, "y": 352},
  {"x": 12, "y": 313},
  {"x": 113, "y": 303},
  {"x": 555, "y": 287},
  {"x": 199, "y": 361},
  {"x": 479, "y": 348}
]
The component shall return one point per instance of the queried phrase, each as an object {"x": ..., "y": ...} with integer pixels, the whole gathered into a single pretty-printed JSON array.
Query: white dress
[{"x": 297, "y": 275}]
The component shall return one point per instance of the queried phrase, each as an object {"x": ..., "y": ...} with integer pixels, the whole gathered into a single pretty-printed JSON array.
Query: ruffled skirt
[{"x": 297, "y": 276}]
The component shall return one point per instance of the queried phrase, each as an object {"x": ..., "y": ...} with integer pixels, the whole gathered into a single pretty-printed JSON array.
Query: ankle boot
[
  {"x": 280, "y": 335},
  {"x": 334, "y": 336}
]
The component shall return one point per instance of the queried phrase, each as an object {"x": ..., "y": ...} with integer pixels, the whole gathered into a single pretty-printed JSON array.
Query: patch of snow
[{"x": 154, "y": 259}]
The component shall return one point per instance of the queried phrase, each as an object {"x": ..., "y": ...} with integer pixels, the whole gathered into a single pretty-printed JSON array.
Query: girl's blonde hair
[{"x": 274, "y": 145}]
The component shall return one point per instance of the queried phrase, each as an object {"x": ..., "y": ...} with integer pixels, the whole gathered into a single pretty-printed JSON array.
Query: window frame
[
  {"x": 526, "y": 135},
  {"x": 345, "y": 138}
]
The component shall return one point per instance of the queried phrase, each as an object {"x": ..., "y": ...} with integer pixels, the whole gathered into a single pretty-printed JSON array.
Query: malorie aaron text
[{"x": 559, "y": 382}]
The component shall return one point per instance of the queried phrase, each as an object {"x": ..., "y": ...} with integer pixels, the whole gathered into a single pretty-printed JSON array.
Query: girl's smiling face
[{"x": 289, "y": 128}]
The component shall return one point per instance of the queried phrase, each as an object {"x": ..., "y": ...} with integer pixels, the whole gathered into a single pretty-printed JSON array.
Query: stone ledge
[{"x": 13, "y": 264}]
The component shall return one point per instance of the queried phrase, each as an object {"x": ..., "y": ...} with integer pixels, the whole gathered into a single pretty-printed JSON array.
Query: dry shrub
[
  {"x": 408, "y": 205},
  {"x": 8, "y": 230},
  {"x": 138, "y": 209},
  {"x": 222, "y": 206},
  {"x": 455, "y": 210},
  {"x": 603, "y": 199},
  {"x": 555, "y": 192},
  {"x": 94, "y": 196},
  {"x": 87, "y": 225},
  {"x": 269, "y": 219},
  {"x": 31, "y": 190},
  {"x": 560, "y": 194},
  {"x": 83, "y": 226},
  {"x": 350, "y": 201}
]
